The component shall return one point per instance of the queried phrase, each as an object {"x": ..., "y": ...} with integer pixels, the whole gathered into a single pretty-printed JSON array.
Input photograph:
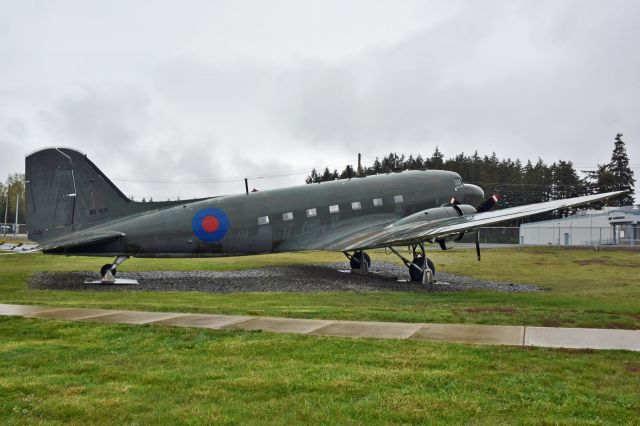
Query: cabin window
[
  {"x": 334, "y": 209},
  {"x": 377, "y": 202},
  {"x": 287, "y": 216},
  {"x": 312, "y": 213},
  {"x": 457, "y": 182},
  {"x": 356, "y": 205},
  {"x": 263, "y": 220},
  {"x": 398, "y": 199}
]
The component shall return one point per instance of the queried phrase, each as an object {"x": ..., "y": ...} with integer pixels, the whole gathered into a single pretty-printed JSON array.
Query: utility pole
[
  {"x": 358, "y": 172},
  {"x": 246, "y": 185},
  {"x": 15, "y": 230},
  {"x": 6, "y": 212}
]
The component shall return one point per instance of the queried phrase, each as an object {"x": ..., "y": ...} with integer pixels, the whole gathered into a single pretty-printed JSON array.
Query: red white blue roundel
[{"x": 210, "y": 224}]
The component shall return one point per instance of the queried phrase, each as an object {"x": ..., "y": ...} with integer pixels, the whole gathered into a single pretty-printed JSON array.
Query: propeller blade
[
  {"x": 478, "y": 244},
  {"x": 488, "y": 204}
]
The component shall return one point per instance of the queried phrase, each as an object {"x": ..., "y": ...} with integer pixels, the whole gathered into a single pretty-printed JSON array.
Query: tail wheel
[
  {"x": 357, "y": 259},
  {"x": 416, "y": 273},
  {"x": 106, "y": 268}
]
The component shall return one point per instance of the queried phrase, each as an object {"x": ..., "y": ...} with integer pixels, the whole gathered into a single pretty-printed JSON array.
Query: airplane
[{"x": 74, "y": 209}]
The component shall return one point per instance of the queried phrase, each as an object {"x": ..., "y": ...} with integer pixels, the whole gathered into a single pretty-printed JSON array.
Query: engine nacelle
[{"x": 436, "y": 213}]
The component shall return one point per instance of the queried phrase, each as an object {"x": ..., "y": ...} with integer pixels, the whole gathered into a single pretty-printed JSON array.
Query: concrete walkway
[{"x": 551, "y": 337}]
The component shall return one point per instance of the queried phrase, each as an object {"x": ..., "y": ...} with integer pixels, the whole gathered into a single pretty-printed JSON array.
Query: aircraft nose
[{"x": 470, "y": 194}]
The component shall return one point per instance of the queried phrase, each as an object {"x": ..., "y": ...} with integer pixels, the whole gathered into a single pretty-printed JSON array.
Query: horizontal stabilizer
[{"x": 80, "y": 239}]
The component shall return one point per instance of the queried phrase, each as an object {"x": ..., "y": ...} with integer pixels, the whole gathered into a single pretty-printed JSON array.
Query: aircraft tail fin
[{"x": 66, "y": 192}]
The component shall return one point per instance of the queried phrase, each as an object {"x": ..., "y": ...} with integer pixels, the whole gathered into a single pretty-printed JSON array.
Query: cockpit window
[{"x": 457, "y": 182}]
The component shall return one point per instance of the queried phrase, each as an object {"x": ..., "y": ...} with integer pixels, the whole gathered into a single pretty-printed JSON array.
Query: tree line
[
  {"x": 515, "y": 182},
  {"x": 12, "y": 189}
]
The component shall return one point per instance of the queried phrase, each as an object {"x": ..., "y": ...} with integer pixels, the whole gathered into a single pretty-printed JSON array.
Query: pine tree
[
  {"x": 614, "y": 176},
  {"x": 619, "y": 168},
  {"x": 436, "y": 161},
  {"x": 376, "y": 168},
  {"x": 565, "y": 184},
  {"x": 326, "y": 175},
  {"x": 347, "y": 173},
  {"x": 313, "y": 177}
]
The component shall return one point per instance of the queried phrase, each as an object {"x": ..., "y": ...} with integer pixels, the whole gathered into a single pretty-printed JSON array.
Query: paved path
[{"x": 579, "y": 338}]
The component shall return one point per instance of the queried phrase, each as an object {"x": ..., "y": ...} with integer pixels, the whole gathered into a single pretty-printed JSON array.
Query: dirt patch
[
  {"x": 617, "y": 325},
  {"x": 491, "y": 310},
  {"x": 587, "y": 262},
  {"x": 552, "y": 322},
  {"x": 634, "y": 368},
  {"x": 576, "y": 351}
]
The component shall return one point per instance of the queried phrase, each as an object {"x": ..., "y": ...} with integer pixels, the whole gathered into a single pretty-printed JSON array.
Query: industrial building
[{"x": 609, "y": 226}]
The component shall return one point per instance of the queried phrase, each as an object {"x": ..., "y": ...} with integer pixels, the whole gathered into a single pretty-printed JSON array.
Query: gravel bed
[{"x": 383, "y": 276}]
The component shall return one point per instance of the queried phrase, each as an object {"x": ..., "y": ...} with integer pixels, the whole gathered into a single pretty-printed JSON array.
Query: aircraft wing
[
  {"x": 79, "y": 239},
  {"x": 416, "y": 232}
]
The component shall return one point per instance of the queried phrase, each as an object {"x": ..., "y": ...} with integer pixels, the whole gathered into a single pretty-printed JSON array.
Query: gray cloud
[{"x": 209, "y": 90}]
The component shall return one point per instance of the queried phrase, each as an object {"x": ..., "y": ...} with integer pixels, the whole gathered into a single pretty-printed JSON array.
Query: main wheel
[
  {"x": 106, "y": 268},
  {"x": 357, "y": 258},
  {"x": 416, "y": 273}
]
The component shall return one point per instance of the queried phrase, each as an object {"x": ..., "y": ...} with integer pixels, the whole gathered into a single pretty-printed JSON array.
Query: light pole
[{"x": 15, "y": 230}]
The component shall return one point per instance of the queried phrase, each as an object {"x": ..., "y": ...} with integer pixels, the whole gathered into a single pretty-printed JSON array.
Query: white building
[{"x": 609, "y": 226}]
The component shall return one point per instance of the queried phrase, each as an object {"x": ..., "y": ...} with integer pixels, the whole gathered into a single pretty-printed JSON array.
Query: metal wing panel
[{"x": 429, "y": 230}]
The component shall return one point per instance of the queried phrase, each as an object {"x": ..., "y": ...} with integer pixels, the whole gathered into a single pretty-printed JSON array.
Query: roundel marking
[{"x": 210, "y": 224}]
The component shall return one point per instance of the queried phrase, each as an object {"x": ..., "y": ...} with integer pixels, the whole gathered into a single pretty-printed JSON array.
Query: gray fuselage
[{"x": 304, "y": 217}]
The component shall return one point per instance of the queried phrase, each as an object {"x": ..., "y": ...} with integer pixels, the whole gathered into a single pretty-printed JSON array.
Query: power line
[{"x": 232, "y": 178}]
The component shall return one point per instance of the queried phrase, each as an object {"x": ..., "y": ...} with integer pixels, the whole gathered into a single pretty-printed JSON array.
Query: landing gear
[
  {"x": 421, "y": 268},
  {"x": 416, "y": 269},
  {"x": 359, "y": 261},
  {"x": 108, "y": 271}
]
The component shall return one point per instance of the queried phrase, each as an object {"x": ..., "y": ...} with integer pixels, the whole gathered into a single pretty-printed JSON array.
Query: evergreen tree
[
  {"x": 313, "y": 177},
  {"x": 392, "y": 163},
  {"x": 436, "y": 161},
  {"x": 619, "y": 168},
  {"x": 326, "y": 175},
  {"x": 375, "y": 168},
  {"x": 347, "y": 173},
  {"x": 565, "y": 184},
  {"x": 614, "y": 176}
]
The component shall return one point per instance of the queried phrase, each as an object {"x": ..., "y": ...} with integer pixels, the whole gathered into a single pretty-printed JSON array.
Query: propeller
[
  {"x": 485, "y": 206},
  {"x": 488, "y": 204}
]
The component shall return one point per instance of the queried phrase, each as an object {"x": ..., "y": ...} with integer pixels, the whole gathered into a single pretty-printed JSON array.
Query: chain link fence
[
  {"x": 620, "y": 235},
  {"x": 10, "y": 229}
]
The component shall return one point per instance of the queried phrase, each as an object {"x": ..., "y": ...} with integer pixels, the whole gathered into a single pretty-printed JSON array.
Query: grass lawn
[
  {"x": 58, "y": 372},
  {"x": 588, "y": 289},
  {"x": 79, "y": 373}
]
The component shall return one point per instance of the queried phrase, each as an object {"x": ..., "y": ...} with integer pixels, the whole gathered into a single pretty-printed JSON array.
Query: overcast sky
[{"x": 208, "y": 90}]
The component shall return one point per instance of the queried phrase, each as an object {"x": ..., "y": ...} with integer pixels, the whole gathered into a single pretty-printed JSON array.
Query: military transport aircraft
[{"x": 73, "y": 208}]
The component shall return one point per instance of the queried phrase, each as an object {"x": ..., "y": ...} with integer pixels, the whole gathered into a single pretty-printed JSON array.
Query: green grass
[
  {"x": 78, "y": 373},
  {"x": 588, "y": 289},
  {"x": 57, "y": 372}
]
